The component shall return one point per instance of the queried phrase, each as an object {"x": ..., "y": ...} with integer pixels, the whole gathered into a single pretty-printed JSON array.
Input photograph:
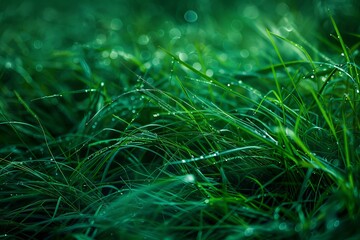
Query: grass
[{"x": 174, "y": 132}]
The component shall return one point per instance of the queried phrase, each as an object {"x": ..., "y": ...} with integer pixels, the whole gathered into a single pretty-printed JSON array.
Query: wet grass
[{"x": 176, "y": 132}]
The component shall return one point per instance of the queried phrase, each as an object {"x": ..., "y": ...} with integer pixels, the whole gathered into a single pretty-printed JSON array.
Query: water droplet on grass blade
[
  {"x": 209, "y": 73},
  {"x": 189, "y": 178},
  {"x": 249, "y": 231},
  {"x": 183, "y": 57},
  {"x": 197, "y": 66}
]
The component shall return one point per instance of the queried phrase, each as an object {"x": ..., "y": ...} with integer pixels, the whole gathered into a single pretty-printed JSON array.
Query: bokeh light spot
[
  {"x": 175, "y": 33},
  {"x": 282, "y": 9},
  {"x": 244, "y": 53},
  {"x": 191, "y": 16},
  {"x": 251, "y": 11},
  {"x": 116, "y": 24},
  {"x": 38, "y": 44},
  {"x": 113, "y": 54},
  {"x": 143, "y": 39}
]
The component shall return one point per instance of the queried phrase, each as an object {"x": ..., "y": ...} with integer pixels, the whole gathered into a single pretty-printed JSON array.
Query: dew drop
[
  {"x": 209, "y": 73},
  {"x": 249, "y": 231},
  {"x": 183, "y": 57},
  {"x": 189, "y": 178},
  {"x": 197, "y": 66}
]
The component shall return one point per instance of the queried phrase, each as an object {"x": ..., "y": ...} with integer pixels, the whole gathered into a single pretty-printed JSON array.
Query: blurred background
[
  {"x": 215, "y": 37},
  {"x": 231, "y": 24}
]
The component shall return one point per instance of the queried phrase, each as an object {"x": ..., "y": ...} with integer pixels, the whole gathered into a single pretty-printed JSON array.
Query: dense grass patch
[{"x": 133, "y": 120}]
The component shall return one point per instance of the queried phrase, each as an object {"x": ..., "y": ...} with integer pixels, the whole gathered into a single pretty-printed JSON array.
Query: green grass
[{"x": 134, "y": 124}]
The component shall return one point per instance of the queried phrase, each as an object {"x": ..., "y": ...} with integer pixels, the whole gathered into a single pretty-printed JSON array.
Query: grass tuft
[{"x": 106, "y": 135}]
